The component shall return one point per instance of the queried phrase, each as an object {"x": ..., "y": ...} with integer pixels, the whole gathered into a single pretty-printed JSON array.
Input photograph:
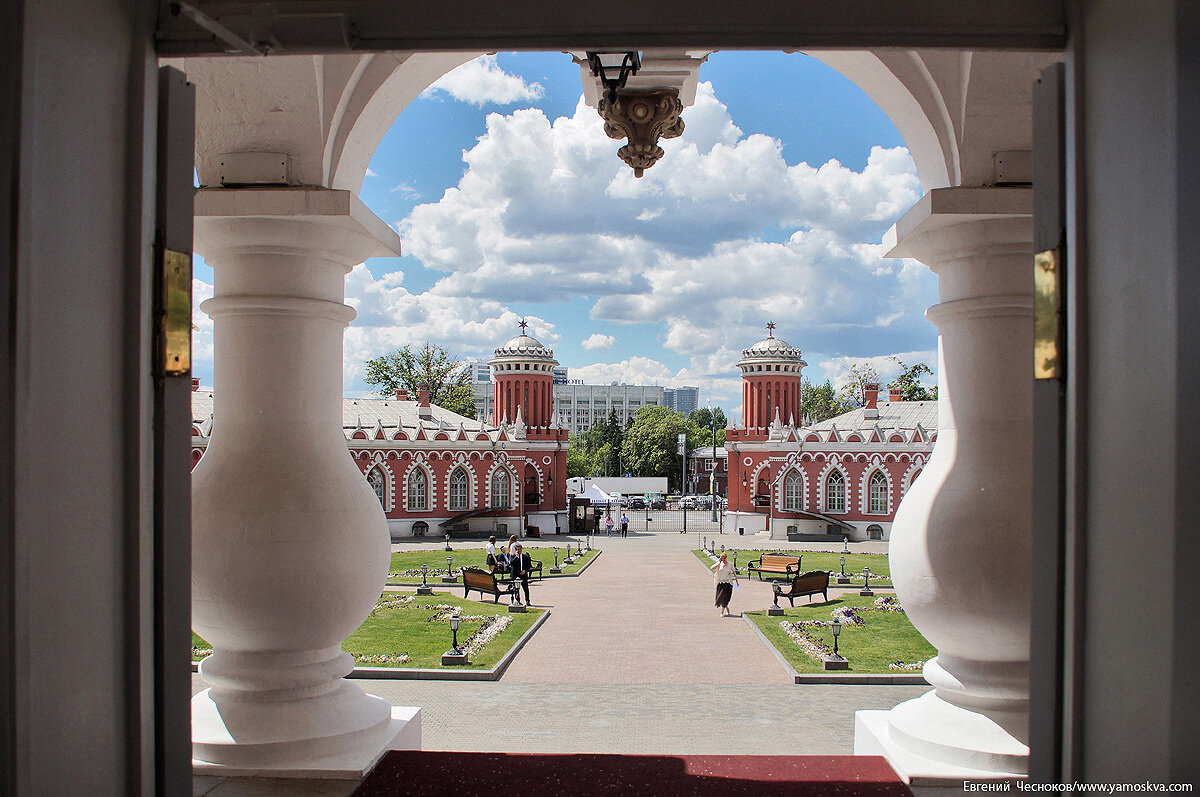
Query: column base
[
  {"x": 299, "y": 739},
  {"x": 930, "y": 742}
]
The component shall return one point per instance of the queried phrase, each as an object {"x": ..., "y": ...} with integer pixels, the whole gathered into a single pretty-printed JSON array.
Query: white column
[
  {"x": 960, "y": 544},
  {"x": 289, "y": 544}
]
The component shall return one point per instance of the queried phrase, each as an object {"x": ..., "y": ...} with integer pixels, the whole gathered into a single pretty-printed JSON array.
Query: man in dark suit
[{"x": 519, "y": 565}]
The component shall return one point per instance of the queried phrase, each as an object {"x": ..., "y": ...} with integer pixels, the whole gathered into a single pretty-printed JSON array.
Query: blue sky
[{"x": 511, "y": 203}]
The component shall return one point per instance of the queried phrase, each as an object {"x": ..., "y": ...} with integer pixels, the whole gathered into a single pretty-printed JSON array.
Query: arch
[
  {"x": 418, "y": 487},
  {"x": 420, "y": 528},
  {"x": 877, "y": 497},
  {"x": 793, "y": 491},
  {"x": 377, "y": 477},
  {"x": 458, "y": 487},
  {"x": 500, "y": 489},
  {"x": 833, "y": 491},
  {"x": 874, "y": 532}
]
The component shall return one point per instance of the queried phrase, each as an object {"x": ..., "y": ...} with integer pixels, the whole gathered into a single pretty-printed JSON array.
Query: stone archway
[{"x": 974, "y": 235}]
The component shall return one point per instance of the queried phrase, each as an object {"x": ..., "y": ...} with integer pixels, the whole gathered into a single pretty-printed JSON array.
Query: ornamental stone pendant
[{"x": 642, "y": 117}]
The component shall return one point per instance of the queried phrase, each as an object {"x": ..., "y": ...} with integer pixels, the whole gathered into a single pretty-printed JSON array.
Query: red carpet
[{"x": 434, "y": 774}]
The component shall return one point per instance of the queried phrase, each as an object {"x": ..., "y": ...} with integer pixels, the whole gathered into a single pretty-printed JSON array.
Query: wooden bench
[
  {"x": 774, "y": 563},
  {"x": 809, "y": 583},
  {"x": 535, "y": 570},
  {"x": 484, "y": 582}
]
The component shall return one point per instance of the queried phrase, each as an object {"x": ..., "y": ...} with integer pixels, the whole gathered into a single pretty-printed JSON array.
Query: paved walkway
[
  {"x": 633, "y": 659},
  {"x": 638, "y": 616}
]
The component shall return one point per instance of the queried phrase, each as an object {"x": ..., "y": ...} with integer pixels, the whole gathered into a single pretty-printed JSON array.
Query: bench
[
  {"x": 774, "y": 563},
  {"x": 484, "y": 582},
  {"x": 809, "y": 583},
  {"x": 535, "y": 569}
]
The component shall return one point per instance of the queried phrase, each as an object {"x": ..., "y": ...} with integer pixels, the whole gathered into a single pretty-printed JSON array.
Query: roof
[
  {"x": 892, "y": 415},
  {"x": 525, "y": 347},
  {"x": 707, "y": 452},
  {"x": 367, "y": 413}
]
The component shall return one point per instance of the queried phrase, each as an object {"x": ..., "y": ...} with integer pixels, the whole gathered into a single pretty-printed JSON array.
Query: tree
[
  {"x": 409, "y": 368},
  {"x": 650, "y": 447},
  {"x": 819, "y": 402},
  {"x": 579, "y": 463},
  {"x": 702, "y": 419},
  {"x": 853, "y": 393},
  {"x": 909, "y": 382}
]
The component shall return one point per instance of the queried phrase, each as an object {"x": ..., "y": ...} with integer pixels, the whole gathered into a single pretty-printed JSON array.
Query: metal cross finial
[
  {"x": 522, "y": 325},
  {"x": 770, "y": 329}
]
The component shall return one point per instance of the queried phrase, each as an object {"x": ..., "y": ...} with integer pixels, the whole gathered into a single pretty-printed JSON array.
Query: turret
[
  {"x": 770, "y": 381},
  {"x": 523, "y": 372}
]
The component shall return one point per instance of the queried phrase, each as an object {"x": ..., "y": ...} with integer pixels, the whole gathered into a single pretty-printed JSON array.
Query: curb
[
  {"x": 431, "y": 674},
  {"x": 886, "y": 679},
  {"x": 548, "y": 576}
]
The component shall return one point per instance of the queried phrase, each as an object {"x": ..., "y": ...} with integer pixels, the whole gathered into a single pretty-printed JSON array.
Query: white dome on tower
[{"x": 771, "y": 351}]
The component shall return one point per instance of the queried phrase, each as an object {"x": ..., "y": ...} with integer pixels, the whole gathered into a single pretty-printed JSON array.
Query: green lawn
[
  {"x": 885, "y": 638},
  {"x": 406, "y": 565},
  {"x": 820, "y": 560},
  {"x": 410, "y": 628}
]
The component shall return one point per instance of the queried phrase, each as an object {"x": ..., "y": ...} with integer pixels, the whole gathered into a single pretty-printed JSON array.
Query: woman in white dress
[{"x": 726, "y": 577}]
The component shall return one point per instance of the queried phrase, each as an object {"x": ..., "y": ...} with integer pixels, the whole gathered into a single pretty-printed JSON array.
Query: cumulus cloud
[
  {"x": 598, "y": 342},
  {"x": 718, "y": 237},
  {"x": 837, "y": 369},
  {"x": 405, "y": 190},
  {"x": 391, "y": 316},
  {"x": 482, "y": 82},
  {"x": 202, "y": 325}
]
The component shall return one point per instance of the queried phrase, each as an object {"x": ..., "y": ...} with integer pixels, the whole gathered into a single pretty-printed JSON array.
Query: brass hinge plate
[
  {"x": 176, "y": 313},
  {"x": 1047, "y": 315}
]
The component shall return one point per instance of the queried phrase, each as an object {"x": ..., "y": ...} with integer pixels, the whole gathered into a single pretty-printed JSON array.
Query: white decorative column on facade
[
  {"x": 960, "y": 544},
  {"x": 289, "y": 544}
]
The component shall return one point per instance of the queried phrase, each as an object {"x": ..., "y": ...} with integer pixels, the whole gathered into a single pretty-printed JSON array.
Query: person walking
[
  {"x": 624, "y": 525},
  {"x": 726, "y": 577},
  {"x": 519, "y": 565},
  {"x": 608, "y": 524}
]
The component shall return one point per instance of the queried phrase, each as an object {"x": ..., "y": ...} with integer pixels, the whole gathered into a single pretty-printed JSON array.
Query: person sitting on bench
[{"x": 519, "y": 565}]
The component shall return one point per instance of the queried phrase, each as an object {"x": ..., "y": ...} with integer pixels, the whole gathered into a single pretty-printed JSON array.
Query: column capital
[
  {"x": 331, "y": 223},
  {"x": 951, "y": 223}
]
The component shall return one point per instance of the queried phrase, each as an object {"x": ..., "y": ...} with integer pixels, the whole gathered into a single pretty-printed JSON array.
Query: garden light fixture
[
  {"x": 448, "y": 541},
  {"x": 424, "y": 589},
  {"x": 866, "y": 590},
  {"x": 454, "y": 655},
  {"x": 836, "y": 627},
  {"x": 454, "y": 630},
  {"x": 843, "y": 561}
]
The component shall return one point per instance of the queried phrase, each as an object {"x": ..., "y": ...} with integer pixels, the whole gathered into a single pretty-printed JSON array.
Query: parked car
[
  {"x": 637, "y": 503},
  {"x": 689, "y": 502},
  {"x": 658, "y": 503}
]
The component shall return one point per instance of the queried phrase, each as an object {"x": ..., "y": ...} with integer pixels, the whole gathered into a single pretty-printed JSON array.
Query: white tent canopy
[{"x": 599, "y": 497}]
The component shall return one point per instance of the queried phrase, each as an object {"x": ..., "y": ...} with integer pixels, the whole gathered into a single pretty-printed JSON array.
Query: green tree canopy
[
  {"x": 819, "y": 402},
  {"x": 650, "y": 447},
  {"x": 909, "y": 382},
  {"x": 411, "y": 366},
  {"x": 702, "y": 419}
]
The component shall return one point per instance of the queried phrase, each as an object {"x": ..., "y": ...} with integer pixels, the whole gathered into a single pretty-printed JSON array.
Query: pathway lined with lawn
[{"x": 644, "y": 616}]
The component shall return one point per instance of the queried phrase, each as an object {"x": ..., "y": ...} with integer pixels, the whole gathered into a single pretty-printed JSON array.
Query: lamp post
[
  {"x": 454, "y": 655},
  {"x": 775, "y": 610},
  {"x": 843, "y": 578},
  {"x": 448, "y": 541},
  {"x": 712, "y": 478},
  {"x": 449, "y": 578},
  {"x": 424, "y": 589},
  {"x": 837, "y": 662},
  {"x": 866, "y": 590},
  {"x": 556, "y": 568},
  {"x": 845, "y": 543}
]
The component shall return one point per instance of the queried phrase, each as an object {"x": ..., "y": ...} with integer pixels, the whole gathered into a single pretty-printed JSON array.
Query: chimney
[
  {"x": 195, "y": 385},
  {"x": 423, "y": 408},
  {"x": 894, "y": 394},
  {"x": 871, "y": 395},
  {"x": 401, "y": 394}
]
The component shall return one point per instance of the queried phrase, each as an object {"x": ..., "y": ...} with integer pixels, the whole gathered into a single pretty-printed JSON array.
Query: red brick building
[
  {"x": 434, "y": 470},
  {"x": 843, "y": 476}
]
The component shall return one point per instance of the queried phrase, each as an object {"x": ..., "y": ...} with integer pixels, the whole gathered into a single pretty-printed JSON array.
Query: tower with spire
[
  {"x": 770, "y": 383},
  {"x": 523, "y": 376}
]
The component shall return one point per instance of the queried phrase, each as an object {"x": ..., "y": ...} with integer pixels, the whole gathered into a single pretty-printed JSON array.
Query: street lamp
[
  {"x": 454, "y": 655},
  {"x": 836, "y": 661},
  {"x": 424, "y": 589},
  {"x": 843, "y": 578},
  {"x": 866, "y": 590},
  {"x": 449, "y": 578},
  {"x": 448, "y": 541},
  {"x": 712, "y": 479},
  {"x": 556, "y": 568},
  {"x": 775, "y": 610}
]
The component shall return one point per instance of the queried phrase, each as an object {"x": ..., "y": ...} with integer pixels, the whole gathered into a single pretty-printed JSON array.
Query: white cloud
[
  {"x": 202, "y": 325},
  {"x": 371, "y": 172},
  {"x": 718, "y": 237},
  {"x": 407, "y": 191},
  {"x": 482, "y": 81},
  {"x": 837, "y": 369},
  {"x": 391, "y": 316},
  {"x": 598, "y": 342}
]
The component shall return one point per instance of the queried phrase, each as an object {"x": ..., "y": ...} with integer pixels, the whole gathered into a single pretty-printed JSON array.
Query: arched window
[
  {"x": 877, "y": 503},
  {"x": 835, "y": 492},
  {"x": 793, "y": 491},
  {"x": 418, "y": 490},
  {"x": 500, "y": 489},
  {"x": 460, "y": 490},
  {"x": 378, "y": 483}
]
